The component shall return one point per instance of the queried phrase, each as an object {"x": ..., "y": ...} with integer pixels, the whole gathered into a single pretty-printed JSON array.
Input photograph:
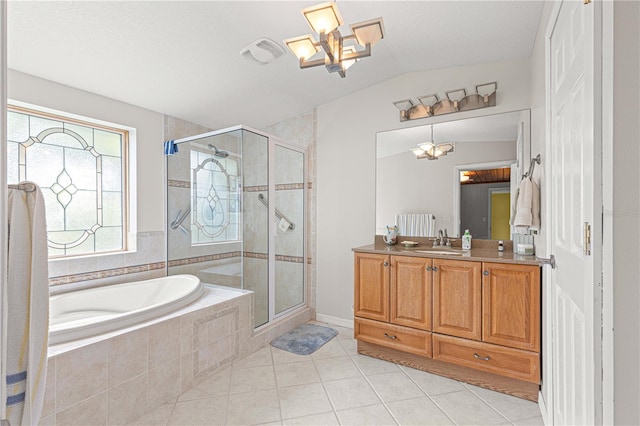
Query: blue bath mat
[{"x": 304, "y": 339}]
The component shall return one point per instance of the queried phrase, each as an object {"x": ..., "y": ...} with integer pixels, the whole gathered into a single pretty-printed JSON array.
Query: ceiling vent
[{"x": 262, "y": 51}]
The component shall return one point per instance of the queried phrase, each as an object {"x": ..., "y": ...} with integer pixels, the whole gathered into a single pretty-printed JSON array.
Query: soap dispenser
[{"x": 466, "y": 240}]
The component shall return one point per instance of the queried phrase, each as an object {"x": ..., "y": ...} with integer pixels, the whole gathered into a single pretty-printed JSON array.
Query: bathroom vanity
[{"x": 473, "y": 316}]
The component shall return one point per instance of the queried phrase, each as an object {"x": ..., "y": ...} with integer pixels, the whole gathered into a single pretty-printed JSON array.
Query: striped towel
[
  {"x": 416, "y": 224},
  {"x": 170, "y": 147},
  {"x": 25, "y": 330}
]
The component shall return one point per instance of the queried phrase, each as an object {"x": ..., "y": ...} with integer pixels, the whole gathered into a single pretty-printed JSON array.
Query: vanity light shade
[
  {"x": 303, "y": 47},
  {"x": 417, "y": 151},
  {"x": 368, "y": 32},
  {"x": 404, "y": 104},
  {"x": 427, "y": 147},
  {"x": 323, "y": 18}
]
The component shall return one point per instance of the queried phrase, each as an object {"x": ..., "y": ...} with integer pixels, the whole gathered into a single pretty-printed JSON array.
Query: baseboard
[
  {"x": 334, "y": 320},
  {"x": 543, "y": 409}
]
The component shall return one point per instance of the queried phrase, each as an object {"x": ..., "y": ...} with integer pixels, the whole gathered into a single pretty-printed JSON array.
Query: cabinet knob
[
  {"x": 481, "y": 358},
  {"x": 386, "y": 263},
  {"x": 388, "y": 336},
  {"x": 434, "y": 269},
  {"x": 428, "y": 268},
  {"x": 485, "y": 273}
]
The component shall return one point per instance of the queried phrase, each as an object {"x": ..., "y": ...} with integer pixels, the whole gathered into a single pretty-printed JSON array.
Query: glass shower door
[{"x": 289, "y": 221}]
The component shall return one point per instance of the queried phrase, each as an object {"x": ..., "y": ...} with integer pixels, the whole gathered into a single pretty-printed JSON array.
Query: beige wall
[
  {"x": 347, "y": 130},
  {"x": 626, "y": 208}
]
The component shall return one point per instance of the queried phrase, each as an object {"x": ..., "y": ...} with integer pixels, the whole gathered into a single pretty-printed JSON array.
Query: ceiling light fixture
[
  {"x": 325, "y": 19},
  {"x": 431, "y": 151}
]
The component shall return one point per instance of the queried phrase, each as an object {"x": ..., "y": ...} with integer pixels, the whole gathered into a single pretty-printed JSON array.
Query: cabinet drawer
[
  {"x": 404, "y": 339},
  {"x": 509, "y": 362}
]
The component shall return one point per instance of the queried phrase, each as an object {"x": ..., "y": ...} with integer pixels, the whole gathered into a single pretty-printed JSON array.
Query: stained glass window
[{"x": 80, "y": 168}]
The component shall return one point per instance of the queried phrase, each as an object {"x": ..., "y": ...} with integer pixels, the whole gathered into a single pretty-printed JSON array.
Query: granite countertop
[{"x": 480, "y": 252}]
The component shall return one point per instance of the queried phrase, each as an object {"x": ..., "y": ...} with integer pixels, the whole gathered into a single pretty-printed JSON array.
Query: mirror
[{"x": 489, "y": 155}]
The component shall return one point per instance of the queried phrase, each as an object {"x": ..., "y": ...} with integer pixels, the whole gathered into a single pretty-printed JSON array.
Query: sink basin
[{"x": 451, "y": 252}]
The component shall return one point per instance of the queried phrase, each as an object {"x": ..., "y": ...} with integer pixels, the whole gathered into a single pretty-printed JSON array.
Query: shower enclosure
[{"x": 236, "y": 216}]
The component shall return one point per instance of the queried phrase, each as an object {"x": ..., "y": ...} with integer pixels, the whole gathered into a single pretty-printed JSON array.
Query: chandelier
[
  {"x": 325, "y": 19},
  {"x": 431, "y": 151}
]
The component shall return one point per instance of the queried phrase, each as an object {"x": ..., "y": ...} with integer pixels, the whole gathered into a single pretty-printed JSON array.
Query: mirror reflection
[{"x": 470, "y": 186}]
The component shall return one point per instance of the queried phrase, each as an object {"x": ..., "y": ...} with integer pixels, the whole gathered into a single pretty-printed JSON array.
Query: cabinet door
[
  {"x": 457, "y": 298},
  {"x": 511, "y": 305},
  {"x": 411, "y": 292},
  {"x": 371, "y": 299}
]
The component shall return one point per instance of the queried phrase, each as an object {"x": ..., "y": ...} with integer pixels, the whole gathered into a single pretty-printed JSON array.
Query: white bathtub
[{"x": 85, "y": 313}]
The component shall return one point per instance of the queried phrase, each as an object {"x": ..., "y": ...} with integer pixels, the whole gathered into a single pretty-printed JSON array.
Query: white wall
[
  {"x": 346, "y": 161},
  {"x": 150, "y": 173}
]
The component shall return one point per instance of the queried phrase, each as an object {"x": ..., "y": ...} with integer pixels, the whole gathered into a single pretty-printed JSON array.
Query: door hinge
[
  {"x": 586, "y": 1},
  {"x": 587, "y": 239}
]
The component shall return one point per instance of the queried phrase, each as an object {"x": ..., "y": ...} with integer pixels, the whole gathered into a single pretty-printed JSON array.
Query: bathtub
[{"x": 86, "y": 313}]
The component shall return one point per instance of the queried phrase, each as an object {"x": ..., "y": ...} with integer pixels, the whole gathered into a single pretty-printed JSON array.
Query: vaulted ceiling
[{"x": 183, "y": 58}]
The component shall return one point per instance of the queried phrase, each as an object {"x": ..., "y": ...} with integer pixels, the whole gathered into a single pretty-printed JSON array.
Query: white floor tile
[
  {"x": 394, "y": 386},
  {"x": 252, "y": 379},
  {"x": 210, "y": 411},
  {"x": 419, "y": 411},
  {"x": 296, "y": 373},
  {"x": 303, "y": 400},
  {"x": 369, "y": 365},
  {"x": 467, "y": 409},
  {"x": 511, "y": 407},
  {"x": 283, "y": 357},
  {"x": 159, "y": 416},
  {"x": 253, "y": 408},
  {"x": 324, "y": 419},
  {"x": 351, "y": 393},
  {"x": 536, "y": 421},
  {"x": 432, "y": 384},
  {"x": 350, "y": 346},
  {"x": 336, "y": 368},
  {"x": 331, "y": 349},
  {"x": 373, "y": 415}
]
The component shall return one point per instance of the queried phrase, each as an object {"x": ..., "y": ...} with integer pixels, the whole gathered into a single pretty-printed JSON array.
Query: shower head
[{"x": 217, "y": 152}]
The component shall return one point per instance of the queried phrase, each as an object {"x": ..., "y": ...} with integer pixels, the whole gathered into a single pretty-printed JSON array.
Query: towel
[
  {"x": 526, "y": 210},
  {"x": 416, "y": 224},
  {"x": 26, "y": 326},
  {"x": 170, "y": 147}
]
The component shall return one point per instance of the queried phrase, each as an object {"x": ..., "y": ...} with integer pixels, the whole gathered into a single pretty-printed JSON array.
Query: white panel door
[{"x": 575, "y": 199}]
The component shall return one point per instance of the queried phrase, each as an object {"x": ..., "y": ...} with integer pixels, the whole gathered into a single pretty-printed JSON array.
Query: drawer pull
[
  {"x": 485, "y": 273},
  {"x": 428, "y": 268},
  {"x": 388, "y": 336},
  {"x": 434, "y": 269},
  {"x": 481, "y": 358}
]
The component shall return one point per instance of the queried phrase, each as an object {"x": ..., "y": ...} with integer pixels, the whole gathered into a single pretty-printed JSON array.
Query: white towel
[
  {"x": 526, "y": 211},
  {"x": 26, "y": 327},
  {"x": 416, "y": 224}
]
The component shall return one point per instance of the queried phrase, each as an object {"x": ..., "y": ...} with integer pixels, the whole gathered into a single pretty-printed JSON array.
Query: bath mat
[{"x": 304, "y": 339}]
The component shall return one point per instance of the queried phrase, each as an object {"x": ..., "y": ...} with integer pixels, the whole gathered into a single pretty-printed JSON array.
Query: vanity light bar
[{"x": 456, "y": 101}]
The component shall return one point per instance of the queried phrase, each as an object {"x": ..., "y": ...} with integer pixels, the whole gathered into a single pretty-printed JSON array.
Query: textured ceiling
[{"x": 183, "y": 58}]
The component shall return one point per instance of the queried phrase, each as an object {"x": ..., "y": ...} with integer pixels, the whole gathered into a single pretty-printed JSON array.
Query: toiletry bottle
[
  {"x": 466, "y": 240},
  {"x": 500, "y": 246}
]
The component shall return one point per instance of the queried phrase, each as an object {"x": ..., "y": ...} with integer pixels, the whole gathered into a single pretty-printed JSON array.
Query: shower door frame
[
  {"x": 273, "y": 227},
  {"x": 272, "y": 231}
]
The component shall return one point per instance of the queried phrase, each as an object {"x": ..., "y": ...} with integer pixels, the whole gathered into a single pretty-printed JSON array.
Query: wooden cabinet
[
  {"x": 457, "y": 298},
  {"x": 371, "y": 299},
  {"x": 410, "y": 300},
  {"x": 470, "y": 320},
  {"x": 511, "y": 305}
]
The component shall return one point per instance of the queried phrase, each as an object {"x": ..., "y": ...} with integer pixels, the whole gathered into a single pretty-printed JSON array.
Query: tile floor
[{"x": 336, "y": 386}]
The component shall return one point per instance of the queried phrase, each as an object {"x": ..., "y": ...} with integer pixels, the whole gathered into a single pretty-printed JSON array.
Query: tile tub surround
[
  {"x": 118, "y": 376},
  {"x": 335, "y": 385}
]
